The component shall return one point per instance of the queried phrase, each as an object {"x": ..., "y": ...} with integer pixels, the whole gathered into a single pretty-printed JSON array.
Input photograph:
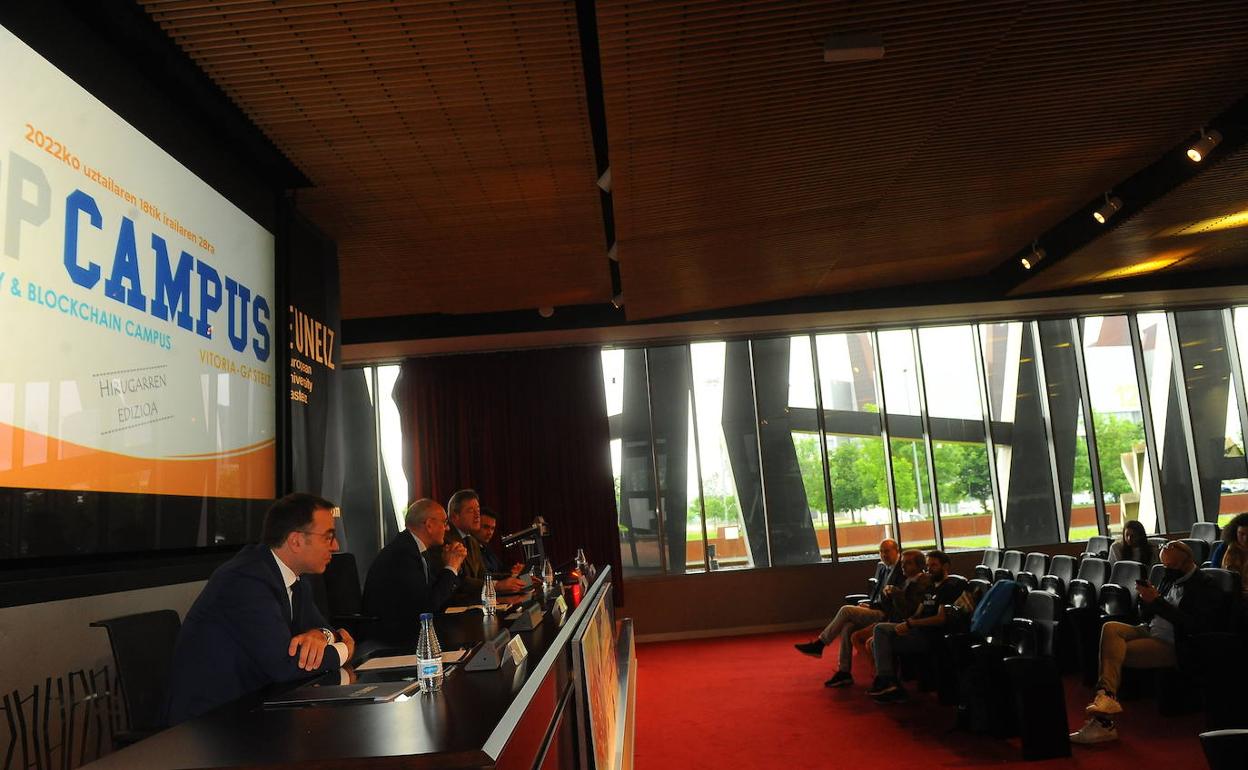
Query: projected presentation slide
[{"x": 136, "y": 306}]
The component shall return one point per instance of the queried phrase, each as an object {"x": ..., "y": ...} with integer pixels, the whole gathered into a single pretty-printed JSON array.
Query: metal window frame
[
  {"x": 660, "y": 503},
  {"x": 884, "y": 434},
  {"x": 1146, "y": 411},
  {"x": 1089, "y": 429},
  {"x": 821, "y": 422},
  {"x": 1237, "y": 373},
  {"x": 926, "y": 421},
  {"x": 697, "y": 459},
  {"x": 1185, "y": 415},
  {"x": 990, "y": 444},
  {"x": 1042, "y": 385}
]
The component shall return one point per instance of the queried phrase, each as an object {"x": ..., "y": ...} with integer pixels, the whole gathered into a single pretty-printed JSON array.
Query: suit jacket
[
  {"x": 885, "y": 575},
  {"x": 490, "y": 560},
  {"x": 472, "y": 572},
  {"x": 396, "y": 590},
  {"x": 236, "y": 636}
]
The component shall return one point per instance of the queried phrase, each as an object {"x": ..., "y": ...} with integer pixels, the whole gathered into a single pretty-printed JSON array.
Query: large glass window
[
  {"x": 907, "y": 449},
  {"x": 1020, "y": 434},
  {"x": 1126, "y": 481},
  {"x": 787, "y": 450},
  {"x": 1214, "y": 409},
  {"x": 855, "y": 449}
]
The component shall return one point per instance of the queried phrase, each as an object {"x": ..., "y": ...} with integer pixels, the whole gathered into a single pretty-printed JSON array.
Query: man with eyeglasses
[
  {"x": 407, "y": 578},
  {"x": 255, "y": 622}
]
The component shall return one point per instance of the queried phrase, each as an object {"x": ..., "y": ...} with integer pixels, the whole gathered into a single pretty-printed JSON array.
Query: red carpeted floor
[{"x": 754, "y": 702}]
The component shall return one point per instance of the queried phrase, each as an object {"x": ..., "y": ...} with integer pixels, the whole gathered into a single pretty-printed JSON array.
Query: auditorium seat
[
  {"x": 1200, "y": 548},
  {"x": 1056, "y": 580},
  {"x": 1082, "y": 591},
  {"x": 1034, "y": 567},
  {"x": 1012, "y": 561},
  {"x": 1158, "y": 541},
  {"x": 1116, "y": 598},
  {"x": 1225, "y": 749},
  {"x": 1205, "y": 530},
  {"x": 1098, "y": 546},
  {"x": 990, "y": 560}
]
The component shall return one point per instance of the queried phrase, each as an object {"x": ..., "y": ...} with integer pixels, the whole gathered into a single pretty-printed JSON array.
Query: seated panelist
[
  {"x": 255, "y": 622},
  {"x": 464, "y": 508},
  {"x": 405, "y": 580}
]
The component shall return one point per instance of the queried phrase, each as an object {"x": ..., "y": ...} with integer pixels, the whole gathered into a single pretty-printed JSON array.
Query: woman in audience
[
  {"x": 1234, "y": 549},
  {"x": 1133, "y": 546}
]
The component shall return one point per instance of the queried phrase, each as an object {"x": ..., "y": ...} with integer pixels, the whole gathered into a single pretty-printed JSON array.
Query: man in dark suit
[
  {"x": 404, "y": 581},
  {"x": 1185, "y": 604},
  {"x": 464, "y": 508},
  {"x": 852, "y": 617},
  {"x": 255, "y": 622}
]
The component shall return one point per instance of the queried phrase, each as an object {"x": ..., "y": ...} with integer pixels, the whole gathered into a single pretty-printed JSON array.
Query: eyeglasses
[{"x": 329, "y": 535}]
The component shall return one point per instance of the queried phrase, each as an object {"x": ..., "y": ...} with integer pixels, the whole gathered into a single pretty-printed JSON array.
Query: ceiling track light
[
  {"x": 1208, "y": 140},
  {"x": 1113, "y": 204},
  {"x": 545, "y": 311},
  {"x": 1034, "y": 258},
  {"x": 618, "y": 300},
  {"x": 613, "y": 253},
  {"x": 604, "y": 181}
]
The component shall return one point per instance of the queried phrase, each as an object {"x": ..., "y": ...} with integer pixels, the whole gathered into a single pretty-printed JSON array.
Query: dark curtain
[{"x": 528, "y": 431}]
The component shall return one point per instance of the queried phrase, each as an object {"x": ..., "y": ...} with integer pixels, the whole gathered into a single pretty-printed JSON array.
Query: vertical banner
[{"x": 314, "y": 355}]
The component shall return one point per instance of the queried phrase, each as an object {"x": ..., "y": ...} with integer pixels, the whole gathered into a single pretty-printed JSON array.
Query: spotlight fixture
[
  {"x": 545, "y": 311},
  {"x": 618, "y": 300},
  {"x": 838, "y": 47},
  {"x": 604, "y": 181},
  {"x": 1112, "y": 206},
  {"x": 613, "y": 253},
  {"x": 1034, "y": 258},
  {"x": 1208, "y": 140}
]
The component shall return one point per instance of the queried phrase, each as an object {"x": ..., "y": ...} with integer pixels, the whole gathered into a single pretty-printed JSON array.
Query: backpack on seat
[{"x": 996, "y": 609}]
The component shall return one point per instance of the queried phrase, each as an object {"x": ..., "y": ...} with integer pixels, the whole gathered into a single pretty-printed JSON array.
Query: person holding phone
[{"x": 1184, "y": 605}]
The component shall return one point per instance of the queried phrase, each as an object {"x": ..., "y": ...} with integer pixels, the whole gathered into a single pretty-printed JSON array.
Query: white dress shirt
[{"x": 288, "y": 579}]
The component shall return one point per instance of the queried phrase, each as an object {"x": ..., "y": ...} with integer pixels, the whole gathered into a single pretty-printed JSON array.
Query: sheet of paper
[
  {"x": 406, "y": 661},
  {"x": 456, "y": 610},
  {"x": 390, "y": 661}
]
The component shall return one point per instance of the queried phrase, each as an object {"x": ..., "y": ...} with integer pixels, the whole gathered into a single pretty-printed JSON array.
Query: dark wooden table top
[{"x": 448, "y": 729}]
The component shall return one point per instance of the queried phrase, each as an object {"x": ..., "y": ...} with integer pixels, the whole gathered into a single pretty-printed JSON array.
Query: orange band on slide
[{"x": 29, "y": 459}]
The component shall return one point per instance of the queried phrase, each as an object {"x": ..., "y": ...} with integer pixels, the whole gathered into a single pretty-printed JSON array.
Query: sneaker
[
  {"x": 893, "y": 693},
  {"x": 881, "y": 686},
  {"x": 1103, "y": 703},
  {"x": 813, "y": 648},
  {"x": 840, "y": 679},
  {"x": 1094, "y": 732}
]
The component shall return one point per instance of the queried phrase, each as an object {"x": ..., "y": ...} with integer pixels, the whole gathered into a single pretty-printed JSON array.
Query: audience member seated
[
  {"x": 464, "y": 508},
  {"x": 1232, "y": 552},
  {"x": 1185, "y": 604},
  {"x": 1133, "y": 546},
  {"x": 916, "y": 634},
  {"x": 888, "y": 600},
  {"x": 255, "y": 622},
  {"x": 402, "y": 583}
]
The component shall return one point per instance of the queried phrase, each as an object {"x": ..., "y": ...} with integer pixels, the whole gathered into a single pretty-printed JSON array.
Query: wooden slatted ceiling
[
  {"x": 746, "y": 169},
  {"x": 1200, "y": 225},
  {"x": 448, "y": 142}
]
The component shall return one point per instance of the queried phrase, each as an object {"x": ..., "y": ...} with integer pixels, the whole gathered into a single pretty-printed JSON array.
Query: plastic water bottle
[
  {"x": 548, "y": 576},
  {"x": 489, "y": 596},
  {"x": 581, "y": 562},
  {"x": 429, "y": 655}
]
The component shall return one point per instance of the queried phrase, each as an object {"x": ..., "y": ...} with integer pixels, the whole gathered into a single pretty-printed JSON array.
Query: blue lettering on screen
[{"x": 171, "y": 287}]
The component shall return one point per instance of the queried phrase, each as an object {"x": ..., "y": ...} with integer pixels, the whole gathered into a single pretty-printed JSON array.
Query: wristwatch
[{"x": 329, "y": 635}]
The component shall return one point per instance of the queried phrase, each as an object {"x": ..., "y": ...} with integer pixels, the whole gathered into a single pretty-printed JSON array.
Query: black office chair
[
  {"x": 1205, "y": 530},
  {"x": 337, "y": 593},
  {"x": 143, "y": 653},
  {"x": 1225, "y": 749}
]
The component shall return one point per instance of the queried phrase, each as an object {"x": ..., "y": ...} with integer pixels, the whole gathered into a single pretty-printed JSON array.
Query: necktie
[
  {"x": 424, "y": 563},
  {"x": 296, "y": 603}
]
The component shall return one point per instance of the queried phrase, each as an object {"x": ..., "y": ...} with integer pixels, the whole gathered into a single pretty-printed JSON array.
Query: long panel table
[{"x": 514, "y": 718}]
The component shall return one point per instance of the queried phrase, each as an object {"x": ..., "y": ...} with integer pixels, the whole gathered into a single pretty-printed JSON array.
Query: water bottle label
[{"x": 431, "y": 667}]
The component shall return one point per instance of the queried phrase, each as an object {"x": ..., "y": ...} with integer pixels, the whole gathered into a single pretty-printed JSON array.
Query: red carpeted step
[{"x": 753, "y": 703}]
